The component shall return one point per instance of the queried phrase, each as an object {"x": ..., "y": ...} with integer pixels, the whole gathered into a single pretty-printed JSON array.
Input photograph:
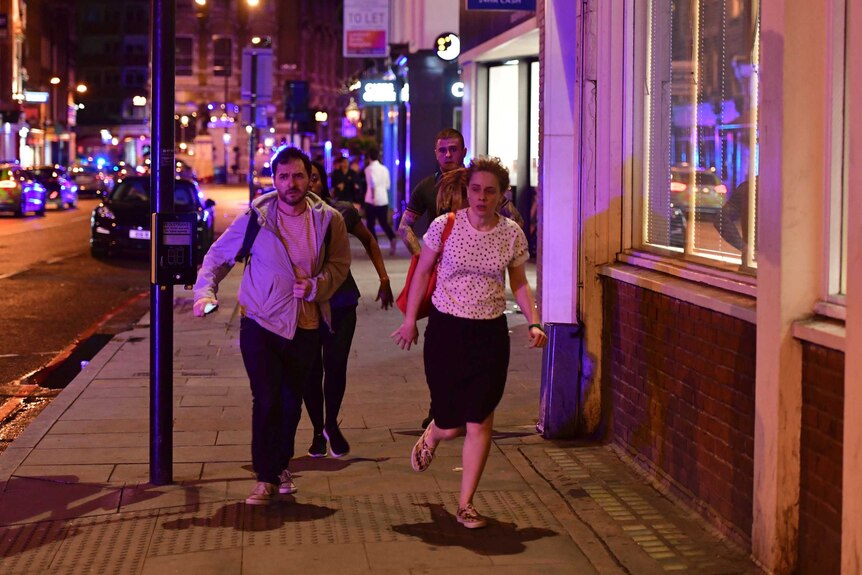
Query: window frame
[
  {"x": 635, "y": 250},
  {"x": 836, "y": 186}
]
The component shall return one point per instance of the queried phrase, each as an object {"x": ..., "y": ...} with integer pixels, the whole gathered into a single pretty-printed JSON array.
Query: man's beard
[{"x": 286, "y": 198}]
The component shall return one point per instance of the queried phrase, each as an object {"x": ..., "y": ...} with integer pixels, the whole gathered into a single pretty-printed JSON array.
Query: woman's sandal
[{"x": 422, "y": 454}]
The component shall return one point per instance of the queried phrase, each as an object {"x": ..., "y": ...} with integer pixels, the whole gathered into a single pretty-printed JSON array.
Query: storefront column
[
  {"x": 558, "y": 213},
  {"x": 793, "y": 136},
  {"x": 851, "y": 511}
]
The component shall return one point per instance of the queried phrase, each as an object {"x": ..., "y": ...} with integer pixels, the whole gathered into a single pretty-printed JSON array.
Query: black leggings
[{"x": 333, "y": 363}]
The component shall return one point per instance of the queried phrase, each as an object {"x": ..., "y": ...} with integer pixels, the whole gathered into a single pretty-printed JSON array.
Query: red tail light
[
  {"x": 721, "y": 189},
  {"x": 54, "y": 195}
]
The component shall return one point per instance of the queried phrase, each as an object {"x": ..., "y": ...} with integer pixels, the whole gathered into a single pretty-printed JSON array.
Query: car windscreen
[
  {"x": 700, "y": 178},
  {"x": 137, "y": 191}
]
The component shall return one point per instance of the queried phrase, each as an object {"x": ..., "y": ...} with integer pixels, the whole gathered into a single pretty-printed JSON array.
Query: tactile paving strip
[
  {"x": 119, "y": 543},
  {"x": 105, "y": 544},
  {"x": 662, "y": 539},
  {"x": 29, "y": 548},
  {"x": 208, "y": 527}
]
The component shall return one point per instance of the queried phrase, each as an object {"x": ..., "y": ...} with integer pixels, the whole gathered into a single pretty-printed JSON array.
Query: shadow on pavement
[
  {"x": 300, "y": 464},
  {"x": 498, "y": 538},
  {"x": 238, "y": 515},
  {"x": 496, "y": 434}
]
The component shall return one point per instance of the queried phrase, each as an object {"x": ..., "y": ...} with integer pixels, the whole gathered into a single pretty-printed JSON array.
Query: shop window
[
  {"x": 184, "y": 57},
  {"x": 700, "y": 173},
  {"x": 502, "y": 116}
]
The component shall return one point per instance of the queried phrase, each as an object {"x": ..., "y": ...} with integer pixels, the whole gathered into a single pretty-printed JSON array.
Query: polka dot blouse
[{"x": 471, "y": 270}]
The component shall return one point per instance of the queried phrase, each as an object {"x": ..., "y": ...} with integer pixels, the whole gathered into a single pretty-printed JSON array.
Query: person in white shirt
[
  {"x": 467, "y": 339},
  {"x": 377, "y": 197}
]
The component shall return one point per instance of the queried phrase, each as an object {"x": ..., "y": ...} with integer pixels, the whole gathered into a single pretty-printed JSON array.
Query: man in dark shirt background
[
  {"x": 343, "y": 183},
  {"x": 450, "y": 152}
]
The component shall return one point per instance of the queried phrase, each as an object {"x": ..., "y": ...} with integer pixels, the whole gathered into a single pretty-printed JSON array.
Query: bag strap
[
  {"x": 447, "y": 229},
  {"x": 251, "y": 231},
  {"x": 450, "y": 223}
]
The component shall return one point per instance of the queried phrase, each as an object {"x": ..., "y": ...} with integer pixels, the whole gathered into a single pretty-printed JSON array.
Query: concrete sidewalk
[{"x": 74, "y": 496}]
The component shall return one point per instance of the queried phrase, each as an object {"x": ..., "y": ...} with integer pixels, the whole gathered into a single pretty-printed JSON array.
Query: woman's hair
[
  {"x": 452, "y": 187},
  {"x": 324, "y": 190},
  {"x": 451, "y": 190},
  {"x": 491, "y": 165}
]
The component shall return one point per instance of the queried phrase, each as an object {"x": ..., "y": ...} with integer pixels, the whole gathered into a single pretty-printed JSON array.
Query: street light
[
  {"x": 253, "y": 3},
  {"x": 55, "y": 80},
  {"x": 352, "y": 112},
  {"x": 81, "y": 88}
]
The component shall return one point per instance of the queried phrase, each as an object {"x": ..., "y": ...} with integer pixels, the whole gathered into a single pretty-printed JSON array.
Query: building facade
[
  {"x": 49, "y": 88},
  {"x": 699, "y": 254},
  {"x": 307, "y": 76},
  {"x": 14, "y": 128},
  {"x": 113, "y": 72}
]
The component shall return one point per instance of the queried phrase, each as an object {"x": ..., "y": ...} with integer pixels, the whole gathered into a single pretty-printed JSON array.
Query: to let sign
[
  {"x": 366, "y": 28},
  {"x": 529, "y": 5}
]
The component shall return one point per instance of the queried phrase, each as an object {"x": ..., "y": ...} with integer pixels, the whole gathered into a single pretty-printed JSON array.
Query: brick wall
[
  {"x": 821, "y": 460},
  {"x": 680, "y": 382}
]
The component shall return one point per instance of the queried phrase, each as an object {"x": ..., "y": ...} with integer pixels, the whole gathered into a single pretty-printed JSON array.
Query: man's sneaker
[
  {"x": 318, "y": 446},
  {"x": 338, "y": 446},
  {"x": 285, "y": 483},
  {"x": 262, "y": 494},
  {"x": 470, "y": 518}
]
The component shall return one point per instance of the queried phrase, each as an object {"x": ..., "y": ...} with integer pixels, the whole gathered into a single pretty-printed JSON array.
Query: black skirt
[{"x": 466, "y": 363}]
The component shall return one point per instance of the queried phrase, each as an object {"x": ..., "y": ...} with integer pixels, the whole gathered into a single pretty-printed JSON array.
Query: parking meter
[{"x": 173, "y": 257}]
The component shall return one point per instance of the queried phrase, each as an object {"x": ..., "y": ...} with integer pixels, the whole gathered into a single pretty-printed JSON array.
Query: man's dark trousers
[{"x": 277, "y": 368}]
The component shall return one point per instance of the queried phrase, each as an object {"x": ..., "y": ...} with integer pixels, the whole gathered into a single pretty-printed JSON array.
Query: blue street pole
[{"x": 161, "y": 201}]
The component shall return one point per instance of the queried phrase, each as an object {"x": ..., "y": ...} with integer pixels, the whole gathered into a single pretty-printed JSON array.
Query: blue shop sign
[{"x": 501, "y": 5}]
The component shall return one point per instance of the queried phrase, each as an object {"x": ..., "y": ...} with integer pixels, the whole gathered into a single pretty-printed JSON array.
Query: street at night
[{"x": 513, "y": 286}]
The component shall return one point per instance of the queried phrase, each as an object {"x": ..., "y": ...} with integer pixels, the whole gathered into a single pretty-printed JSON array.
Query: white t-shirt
[
  {"x": 471, "y": 269},
  {"x": 377, "y": 181}
]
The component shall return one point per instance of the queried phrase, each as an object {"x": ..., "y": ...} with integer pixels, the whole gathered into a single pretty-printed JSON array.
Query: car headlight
[{"x": 104, "y": 212}]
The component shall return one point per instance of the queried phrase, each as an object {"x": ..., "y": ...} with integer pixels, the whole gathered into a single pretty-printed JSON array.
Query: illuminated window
[
  {"x": 701, "y": 116},
  {"x": 502, "y": 113}
]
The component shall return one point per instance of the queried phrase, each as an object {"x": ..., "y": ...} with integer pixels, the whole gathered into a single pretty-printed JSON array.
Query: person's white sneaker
[
  {"x": 262, "y": 494},
  {"x": 286, "y": 484}
]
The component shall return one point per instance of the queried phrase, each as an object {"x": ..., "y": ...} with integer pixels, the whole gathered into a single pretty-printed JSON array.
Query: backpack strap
[
  {"x": 251, "y": 231},
  {"x": 253, "y": 228}
]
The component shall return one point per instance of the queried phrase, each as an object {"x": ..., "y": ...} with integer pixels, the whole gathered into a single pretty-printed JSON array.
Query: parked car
[
  {"x": 91, "y": 181},
  {"x": 710, "y": 193},
  {"x": 121, "y": 223},
  {"x": 62, "y": 192},
  {"x": 20, "y": 192}
]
